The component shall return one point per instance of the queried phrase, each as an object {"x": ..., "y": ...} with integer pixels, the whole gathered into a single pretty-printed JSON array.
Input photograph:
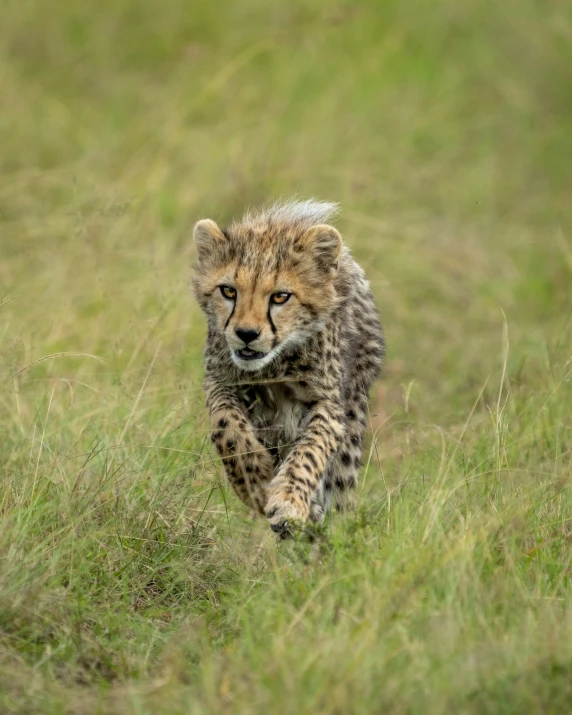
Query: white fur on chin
[{"x": 297, "y": 337}]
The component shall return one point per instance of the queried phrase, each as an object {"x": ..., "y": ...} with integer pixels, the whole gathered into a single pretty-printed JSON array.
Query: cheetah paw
[{"x": 286, "y": 512}]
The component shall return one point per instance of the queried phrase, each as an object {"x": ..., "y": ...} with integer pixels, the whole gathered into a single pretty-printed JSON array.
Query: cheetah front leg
[
  {"x": 291, "y": 491},
  {"x": 247, "y": 463}
]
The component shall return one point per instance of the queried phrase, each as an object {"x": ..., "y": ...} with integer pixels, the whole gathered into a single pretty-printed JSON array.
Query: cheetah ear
[
  {"x": 208, "y": 238},
  {"x": 324, "y": 243}
]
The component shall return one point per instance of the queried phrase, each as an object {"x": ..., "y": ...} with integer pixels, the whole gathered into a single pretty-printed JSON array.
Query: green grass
[{"x": 131, "y": 580}]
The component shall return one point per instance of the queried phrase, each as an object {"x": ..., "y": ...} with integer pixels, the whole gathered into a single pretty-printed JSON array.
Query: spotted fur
[{"x": 294, "y": 343}]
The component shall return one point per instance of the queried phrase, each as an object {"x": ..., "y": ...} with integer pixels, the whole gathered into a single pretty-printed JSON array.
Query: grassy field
[{"x": 131, "y": 580}]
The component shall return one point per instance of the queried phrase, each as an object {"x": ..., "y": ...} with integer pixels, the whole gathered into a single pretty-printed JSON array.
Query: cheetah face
[{"x": 265, "y": 290}]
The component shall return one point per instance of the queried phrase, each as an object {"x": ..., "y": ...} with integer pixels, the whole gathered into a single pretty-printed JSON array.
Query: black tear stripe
[
  {"x": 234, "y": 304},
  {"x": 272, "y": 326},
  {"x": 231, "y": 314},
  {"x": 268, "y": 315}
]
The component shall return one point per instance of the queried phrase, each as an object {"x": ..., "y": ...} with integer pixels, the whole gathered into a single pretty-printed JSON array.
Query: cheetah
[{"x": 294, "y": 343}]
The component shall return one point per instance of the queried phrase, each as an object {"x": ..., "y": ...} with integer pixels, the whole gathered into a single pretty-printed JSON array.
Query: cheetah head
[{"x": 265, "y": 285}]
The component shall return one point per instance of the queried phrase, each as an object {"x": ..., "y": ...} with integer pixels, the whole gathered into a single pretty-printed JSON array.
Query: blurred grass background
[{"x": 131, "y": 581}]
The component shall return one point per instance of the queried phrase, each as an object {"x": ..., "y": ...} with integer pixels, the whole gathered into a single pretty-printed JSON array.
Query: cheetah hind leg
[{"x": 339, "y": 485}]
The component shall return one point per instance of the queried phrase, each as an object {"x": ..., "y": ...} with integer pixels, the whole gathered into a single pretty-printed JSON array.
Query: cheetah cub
[{"x": 294, "y": 343}]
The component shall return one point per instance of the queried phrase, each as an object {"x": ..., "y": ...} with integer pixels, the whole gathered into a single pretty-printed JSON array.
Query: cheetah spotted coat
[{"x": 294, "y": 343}]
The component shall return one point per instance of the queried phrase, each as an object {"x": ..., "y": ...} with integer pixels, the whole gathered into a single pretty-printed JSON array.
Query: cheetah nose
[{"x": 247, "y": 335}]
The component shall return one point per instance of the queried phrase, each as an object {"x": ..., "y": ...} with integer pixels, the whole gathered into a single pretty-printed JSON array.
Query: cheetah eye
[
  {"x": 228, "y": 292},
  {"x": 280, "y": 298}
]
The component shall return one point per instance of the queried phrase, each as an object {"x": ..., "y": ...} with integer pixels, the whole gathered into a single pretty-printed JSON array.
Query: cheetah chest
[{"x": 276, "y": 414}]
